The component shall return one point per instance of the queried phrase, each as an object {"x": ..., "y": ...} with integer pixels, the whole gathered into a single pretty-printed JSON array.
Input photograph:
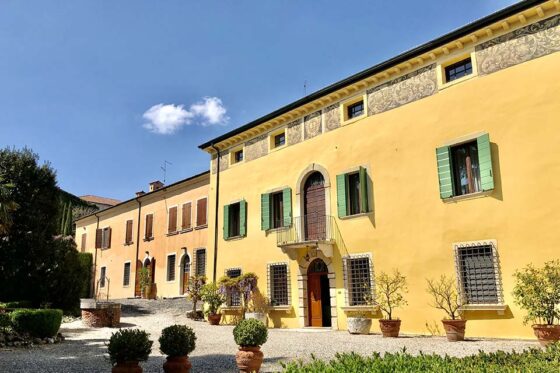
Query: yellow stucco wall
[
  {"x": 411, "y": 228},
  {"x": 157, "y": 203}
]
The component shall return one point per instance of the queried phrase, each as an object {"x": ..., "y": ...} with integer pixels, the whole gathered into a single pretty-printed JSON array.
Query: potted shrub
[
  {"x": 177, "y": 342},
  {"x": 537, "y": 291},
  {"x": 360, "y": 322},
  {"x": 390, "y": 295},
  {"x": 211, "y": 295},
  {"x": 446, "y": 298},
  {"x": 249, "y": 335},
  {"x": 145, "y": 282},
  {"x": 127, "y": 347},
  {"x": 194, "y": 293}
]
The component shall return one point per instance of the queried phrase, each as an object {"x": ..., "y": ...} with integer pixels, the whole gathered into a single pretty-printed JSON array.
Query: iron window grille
[
  {"x": 278, "y": 283},
  {"x": 359, "y": 280},
  {"x": 171, "y": 267},
  {"x": 478, "y": 273},
  {"x": 233, "y": 298},
  {"x": 458, "y": 70},
  {"x": 200, "y": 262},
  {"x": 126, "y": 274}
]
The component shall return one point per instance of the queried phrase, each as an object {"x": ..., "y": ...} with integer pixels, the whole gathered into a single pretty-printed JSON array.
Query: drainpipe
[
  {"x": 92, "y": 285},
  {"x": 216, "y": 210},
  {"x": 137, "y": 246}
]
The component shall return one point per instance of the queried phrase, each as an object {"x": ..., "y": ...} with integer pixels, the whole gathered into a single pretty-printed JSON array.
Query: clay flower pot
[
  {"x": 359, "y": 325},
  {"x": 547, "y": 334},
  {"x": 249, "y": 359},
  {"x": 127, "y": 367},
  {"x": 454, "y": 329},
  {"x": 390, "y": 328},
  {"x": 214, "y": 318},
  {"x": 177, "y": 364}
]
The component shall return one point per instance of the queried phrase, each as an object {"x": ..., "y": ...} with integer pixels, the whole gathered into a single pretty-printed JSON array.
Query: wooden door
[
  {"x": 315, "y": 211},
  {"x": 315, "y": 304}
]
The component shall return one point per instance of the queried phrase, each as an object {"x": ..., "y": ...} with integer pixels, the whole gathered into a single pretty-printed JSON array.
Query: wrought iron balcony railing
[{"x": 311, "y": 228}]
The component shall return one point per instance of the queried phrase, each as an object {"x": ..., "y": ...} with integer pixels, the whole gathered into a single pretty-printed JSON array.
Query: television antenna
[{"x": 164, "y": 169}]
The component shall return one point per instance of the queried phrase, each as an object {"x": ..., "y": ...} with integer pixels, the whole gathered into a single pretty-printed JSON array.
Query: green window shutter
[
  {"x": 243, "y": 218},
  {"x": 226, "y": 222},
  {"x": 265, "y": 211},
  {"x": 485, "y": 162},
  {"x": 341, "y": 195},
  {"x": 287, "y": 206},
  {"x": 363, "y": 191},
  {"x": 443, "y": 156}
]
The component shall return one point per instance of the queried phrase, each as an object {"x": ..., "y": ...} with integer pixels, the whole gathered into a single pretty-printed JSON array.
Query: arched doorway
[
  {"x": 314, "y": 207},
  {"x": 318, "y": 294},
  {"x": 185, "y": 273}
]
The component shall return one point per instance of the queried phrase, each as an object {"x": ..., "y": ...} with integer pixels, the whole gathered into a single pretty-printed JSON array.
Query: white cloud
[{"x": 169, "y": 118}]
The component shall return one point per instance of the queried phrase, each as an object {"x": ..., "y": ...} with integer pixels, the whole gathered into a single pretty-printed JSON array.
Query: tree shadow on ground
[{"x": 133, "y": 309}]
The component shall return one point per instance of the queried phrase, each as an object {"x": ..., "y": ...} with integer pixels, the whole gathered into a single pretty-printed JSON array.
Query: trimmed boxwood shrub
[
  {"x": 533, "y": 360},
  {"x": 5, "y": 321},
  {"x": 177, "y": 340},
  {"x": 129, "y": 345},
  {"x": 17, "y": 304},
  {"x": 250, "y": 333},
  {"x": 37, "y": 323}
]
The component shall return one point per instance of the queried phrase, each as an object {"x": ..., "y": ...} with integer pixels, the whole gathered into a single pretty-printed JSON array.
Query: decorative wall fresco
[
  {"x": 533, "y": 41},
  {"x": 224, "y": 162},
  {"x": 312, "y": 125},
  {"x": 332, "y": 117},
  {"x": 403, "y": 90},
  {"x": 294, "y": 132},
  {"x": 256, "y": 148}
]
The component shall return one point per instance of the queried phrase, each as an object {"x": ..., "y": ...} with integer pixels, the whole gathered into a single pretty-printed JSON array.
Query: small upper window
[
  {"x": 280, "y": 140},
  {"x": 238, "y": 156},
  {"x": 458, "y": 70},
  {"x": 355, "y": 110}
]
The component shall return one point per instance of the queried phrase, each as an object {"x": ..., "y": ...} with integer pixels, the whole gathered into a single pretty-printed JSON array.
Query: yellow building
[
  {"x": 164, "y": 230},
  {"x": 441, "y": 160}
]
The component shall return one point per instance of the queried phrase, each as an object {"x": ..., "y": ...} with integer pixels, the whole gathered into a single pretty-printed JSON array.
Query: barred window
[
  {"x": 171, "y": 267},
  {"x": 200, "y": 265},
  {"x": 234, "y": 299},
  {"x": 458, "y": 70},
  {"x": 102, "y": 277},
  {"x": 359, "y": 281},
  {"x": 477, "y": 266},
  {"x": 126, "y": 274},
  {"x": 278, "y": 284}
]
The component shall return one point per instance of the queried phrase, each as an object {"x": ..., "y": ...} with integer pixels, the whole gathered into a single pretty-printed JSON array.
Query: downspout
[
  {"x": 216, "y": 210},
  {"x": 137, "y": 246},
  {"x": 92, "y": 286}
]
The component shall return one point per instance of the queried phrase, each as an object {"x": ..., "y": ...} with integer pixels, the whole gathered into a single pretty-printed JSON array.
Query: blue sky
[{"x": 108, "y": 90}]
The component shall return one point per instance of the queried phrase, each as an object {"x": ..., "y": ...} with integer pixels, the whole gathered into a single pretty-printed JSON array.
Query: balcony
[{"x": 309, "y": 231}]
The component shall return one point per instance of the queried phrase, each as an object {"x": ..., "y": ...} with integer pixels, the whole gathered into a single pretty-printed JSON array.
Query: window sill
[
  {"x": 280, "y": 308},
  {"x": 201, "y": 226},
  {"x": 169, "y": 281},
  {"x": 147, "y": 239},
  {"x": 348, "y": 309},
  {"x": 361, "y": 214},
  {"x": 467, "y": 196},
  {"x": 272, "y": 230},
  {"x": 352, "y": 120},
  {"x": 234, "y": 238},
  {"x": 484, "y": 307},
  {"x": 128, "y": 243},
  {"x": 172, "y": 233},
  {"x": 231, "y": 308},
  {"x": 185, "y": 230},
  {"x": 457, "y": 81},
  {"x": 276, "y": 148}
]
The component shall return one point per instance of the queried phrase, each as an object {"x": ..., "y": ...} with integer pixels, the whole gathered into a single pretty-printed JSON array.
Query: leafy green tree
[{"x": 7, "y": 206}]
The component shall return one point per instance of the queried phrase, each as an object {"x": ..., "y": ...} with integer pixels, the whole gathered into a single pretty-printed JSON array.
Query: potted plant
[
  {"x": 446, "y": 298},
  {"x": 127, "y": 347},
  {"x": 537, "y": 290},
  {"x": 242, "y": 286},
  {"x": 194, "y": 293},
  {"x": 211, "y": 295},
  {"x": 249, "y": 335},
  {"x": 177, "y": 342},
  {"x": 360, "y": 322},
  {"x": 145, "y": 282},
  {"x": 390, "y": 295}
]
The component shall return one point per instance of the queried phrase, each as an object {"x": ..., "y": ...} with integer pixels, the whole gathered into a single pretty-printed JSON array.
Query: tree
[
  {"x": 445, "y": 295},
  {"x": 7, "y": 206},
  {"x": 390, "y": 291},
  {"x": 194, "y": 292}
]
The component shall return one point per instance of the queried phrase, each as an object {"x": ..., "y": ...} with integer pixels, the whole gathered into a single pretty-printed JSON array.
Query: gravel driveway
[{"x": 84, "y": 350}]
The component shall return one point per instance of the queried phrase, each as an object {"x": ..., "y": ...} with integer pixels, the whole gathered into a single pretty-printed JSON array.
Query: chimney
[
  {"x": 140, "y": 193},
  {"x": 155, "y": 185}
]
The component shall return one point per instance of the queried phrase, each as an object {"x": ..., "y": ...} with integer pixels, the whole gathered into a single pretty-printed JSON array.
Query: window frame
[
  {"x": 190, "y": 227},
  {"x": 196, "y": 261},
  {"x": 348, "y": 282},
  {"x": 228, "y": 298},
  {"x": 272, "y": 139},
  {"x": 169, "y": 232},
  {"x": 270, "y": 284},
  {"x": 346, "y": 104},
  {"x": 233, "y": 155},
  {"x": 454, "y": 58},
  {"x": 230, "y": 220},
  {"x": 278, "y": 195},
  {"x": 106, "y": 238},
  {"x": 126, "y": 241},
  {"x": 200, "y": 226},
  {"x": 366, "y": 207},
  {"x": 146, "y": 237},
  {"x": 167, "y": 267},
  {"x": 83, "y": 243},
  {"x": 102, "y": 276},
  {"x": 126, "y": 284}
]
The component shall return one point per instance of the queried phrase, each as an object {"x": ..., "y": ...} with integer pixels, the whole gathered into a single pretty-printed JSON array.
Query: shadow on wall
[
  {"x": 488, "y": 314},
  {"x": 497, "y": 193},
  {"x": 276, "y": 317}
]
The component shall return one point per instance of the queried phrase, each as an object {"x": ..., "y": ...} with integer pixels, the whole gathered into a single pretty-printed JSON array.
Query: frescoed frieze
[{"x": 312, "y": 125}]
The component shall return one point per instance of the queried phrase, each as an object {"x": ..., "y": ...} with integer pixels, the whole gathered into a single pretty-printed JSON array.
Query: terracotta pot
[
  {"x": 249, "y": 359},
  {"x": 454, "y": 329},
  {"x": 177, "y": 364},
  {"x": 214, "y": 318},
  {"x": 547, "y": 334},
  {"x": 127, "y": 367},
  {"x": 358, "y": 325},
  {"x": 390, "y": 328}
]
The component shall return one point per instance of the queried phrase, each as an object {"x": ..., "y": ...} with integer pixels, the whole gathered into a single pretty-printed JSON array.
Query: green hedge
[
  {"x": 533, "y": 360},
  {"x": 5, "y": 321},
  {"x": 86, "y": 264},
  {"x": 17, "y": 304},
  {"x": 37, "y": 323}
]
